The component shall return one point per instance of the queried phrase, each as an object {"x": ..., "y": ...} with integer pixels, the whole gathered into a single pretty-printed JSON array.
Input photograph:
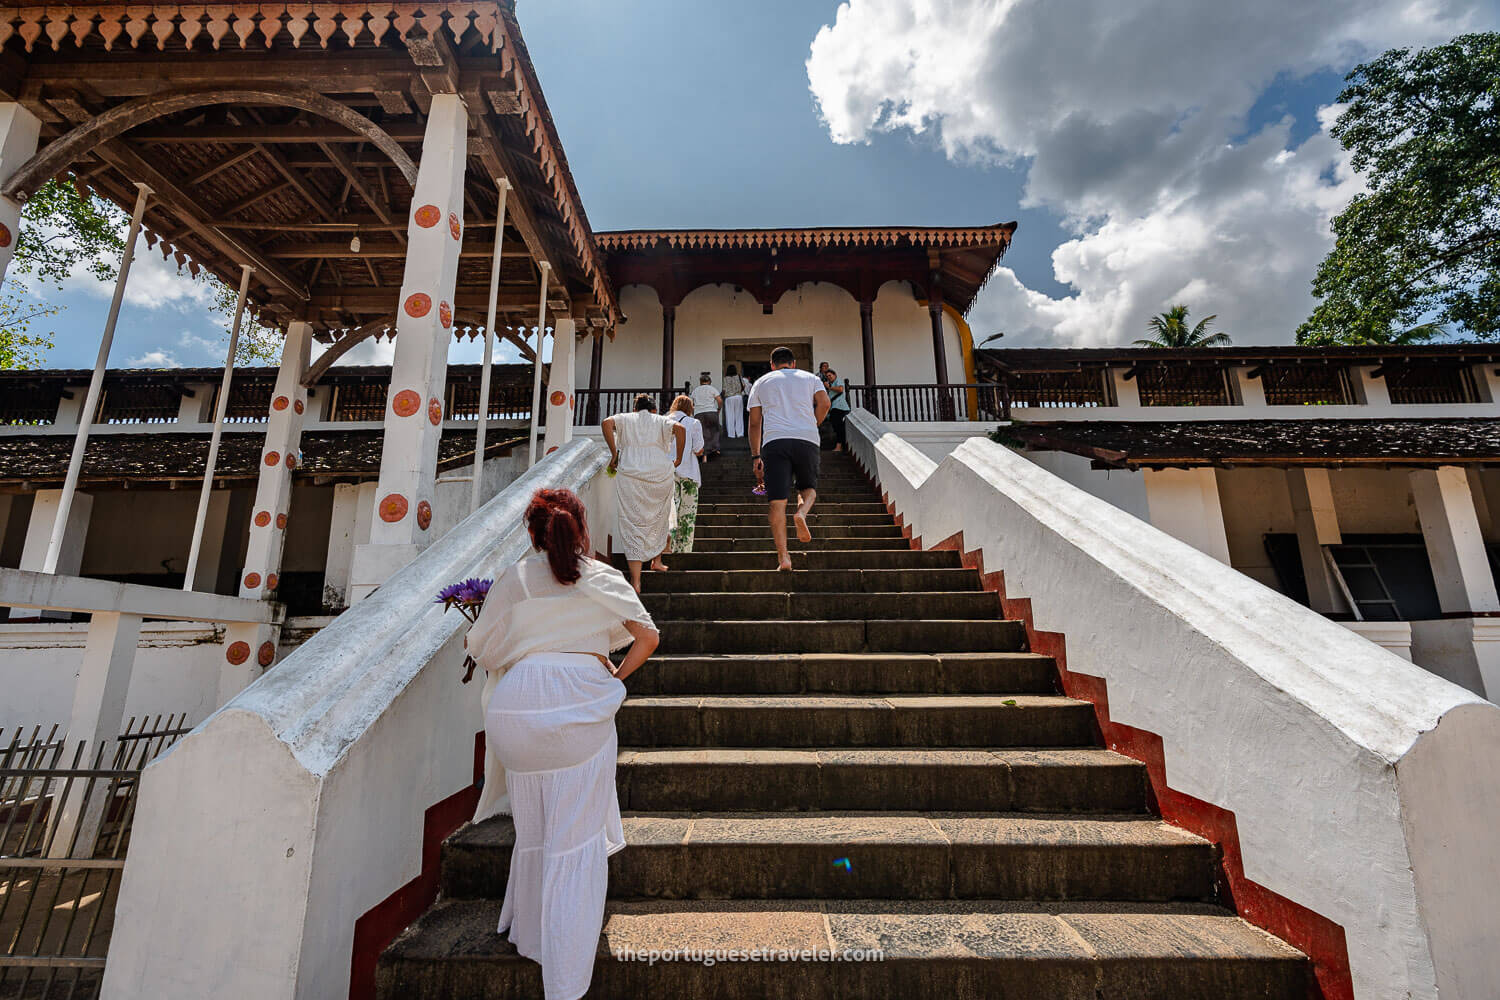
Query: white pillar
[
  {"x": 98, "y": 709},
  {"x": 19, "y": 130},
  {"x": 424, "y": 321},
  {"x": 477, "y": 483},
  {"x": 1127, "y": 392},
  {"x": 1317, "y": 525},
  {"x": 1252, "y": 390},
  {"x": 211, "y": 550},
  {"x": 560, "y": 395},
  {"x": 96, "y": 383},
  {"x": 1185, "y": 504},
  {"x": 1371, "y": 391},
  {"x": 40, "y": 530},
  {"x": 341, "y": 542},
  {"x": 1455, "y": 545}
]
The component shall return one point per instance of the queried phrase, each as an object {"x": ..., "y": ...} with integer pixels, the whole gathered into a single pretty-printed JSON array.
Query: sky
[{"x": 1154, "y": 152}]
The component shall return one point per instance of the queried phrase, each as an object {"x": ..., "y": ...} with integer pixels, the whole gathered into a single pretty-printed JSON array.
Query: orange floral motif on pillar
[
  {"x": 237, "y": 653},
  {"x": 428, "y": 216},
  {"x": 280, "y": 403},
  {"x": 266, "y": 654},
  {"x": 262, "y": 518},
  {"x": 298, "y": 406},
  {"x": 454, "y": 226},
  {"x": 407, "y": 402},
  {"x": 558, "y": 398},
  {"x": 393, "y": 508},
  {"x": 424, "y": 514},
  {"x": 435, "y": 410},
  {"x": 281, "y": 521},
  {"x": 445, "y": 315},
  {"x": 252, "y": 580},
  {"x": 273, "y": 457},
  {"x": 272, "y": 581},
  {"x": 4, "y": 236},
  {"x": 418, "y": 304}
]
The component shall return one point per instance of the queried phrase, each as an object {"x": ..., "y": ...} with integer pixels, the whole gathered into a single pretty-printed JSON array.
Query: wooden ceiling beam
[
  {"x": 256, "y": 197},
  {"x": 218, "y": 168},
  {"x": 357, "y": 182},
  {"x": 180, "y": 203},
  {"x": 318, "y": 131},
  {"x": 513, "y": 297},
  {"x": 378, "y": 251}
]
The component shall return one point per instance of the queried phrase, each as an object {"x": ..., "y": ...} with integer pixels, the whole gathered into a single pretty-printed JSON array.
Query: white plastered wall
[{"x": 712, "y": 315}]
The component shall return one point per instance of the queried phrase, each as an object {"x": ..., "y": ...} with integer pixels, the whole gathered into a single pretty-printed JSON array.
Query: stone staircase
[{"x": 860, "y": 755}]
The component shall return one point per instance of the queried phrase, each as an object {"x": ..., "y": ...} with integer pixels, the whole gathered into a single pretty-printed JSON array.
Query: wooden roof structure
[
  {"x": 1156, "y": 444},
  {"x": 273, "y": 134},
  {"x": 954, "y": 263}
]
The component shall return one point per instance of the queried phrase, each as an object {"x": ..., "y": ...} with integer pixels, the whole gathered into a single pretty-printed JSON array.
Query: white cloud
[
  {"x": 154, "y": 359},
  {"x": 153, "y": 283},
  {"x": 1128, "y": 122}
]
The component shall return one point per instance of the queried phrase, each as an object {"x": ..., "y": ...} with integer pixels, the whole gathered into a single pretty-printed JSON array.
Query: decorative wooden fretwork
[
  {"x": 1080, "y": 387},
  {"x": 30, "y": 404},
  {"x": 139, "y": 404},
  {"x": 1431, "y": 384},
  {"x": 1205, "y": 385},
  {"x": 1306, "y": 385}
]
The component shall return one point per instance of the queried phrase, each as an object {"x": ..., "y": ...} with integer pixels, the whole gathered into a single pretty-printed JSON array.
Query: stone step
[
  {"x": 723, "y": 779},
  {"x": 913, "y": 856},
  {"x": 807, "y": 560},
  {"x": 820, "y": 529},
  {"x": 848, "y": 674},
  {"x": 820, "y": 543},
  {"x": 713, "y": 518},
  {"x": 695, "y": 636},
  {"x": 761, "y": 607},
  {"x": 823, "y": 721},
  {"x": 949, "y": 950},
  {"x": 759, "y": 581},
  {"x": 758, "y": 508}
]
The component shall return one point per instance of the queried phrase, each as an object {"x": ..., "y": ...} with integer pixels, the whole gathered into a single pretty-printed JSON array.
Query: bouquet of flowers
[{"x": 468, "y": 597}]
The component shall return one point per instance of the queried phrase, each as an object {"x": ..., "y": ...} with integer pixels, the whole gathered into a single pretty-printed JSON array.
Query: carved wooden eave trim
[
  {"x": 245, "y": 24},
  {"x": 742, "y": 239}
]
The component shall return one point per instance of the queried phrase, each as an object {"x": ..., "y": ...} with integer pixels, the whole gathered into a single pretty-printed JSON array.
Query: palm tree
[{"x": 1171, "y": 330}]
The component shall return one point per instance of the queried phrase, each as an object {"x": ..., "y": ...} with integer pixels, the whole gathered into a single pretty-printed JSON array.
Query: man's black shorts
[{"x": 789, "y": 459}]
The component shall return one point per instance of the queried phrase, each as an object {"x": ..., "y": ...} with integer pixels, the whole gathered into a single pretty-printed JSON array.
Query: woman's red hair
[{"x": 560, "y": 528}]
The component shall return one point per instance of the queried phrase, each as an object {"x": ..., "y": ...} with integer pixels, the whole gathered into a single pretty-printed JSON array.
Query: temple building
[{"x": 1128, "y": 672}]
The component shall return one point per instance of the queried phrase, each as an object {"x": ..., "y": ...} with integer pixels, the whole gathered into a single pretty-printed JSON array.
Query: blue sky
[{"x": 677, "y": 113}]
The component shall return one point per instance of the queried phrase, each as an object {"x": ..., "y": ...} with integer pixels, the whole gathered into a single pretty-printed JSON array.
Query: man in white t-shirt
[
  {"x": 706, "y": 403},
  {"x": 786, "y": 407}
]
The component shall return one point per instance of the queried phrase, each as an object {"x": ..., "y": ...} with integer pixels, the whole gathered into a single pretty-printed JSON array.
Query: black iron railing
[{"x": 57, "y": 897}]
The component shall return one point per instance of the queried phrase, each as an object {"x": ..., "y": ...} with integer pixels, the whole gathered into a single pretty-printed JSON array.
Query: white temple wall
[
  {"x": 1256, "y": 503},
  {"x": 1374, "y": 502},
  {"x": 713, "y": 315}
]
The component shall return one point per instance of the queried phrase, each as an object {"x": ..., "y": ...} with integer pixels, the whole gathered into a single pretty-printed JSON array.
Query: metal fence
[{"x": 65, "y": 818}]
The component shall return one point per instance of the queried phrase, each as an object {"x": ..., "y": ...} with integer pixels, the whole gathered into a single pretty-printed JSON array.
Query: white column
[
  {"x": 560, "y": 395},
  {"x": 1371, "y": 391},
  {"x": 341, "y": 542},
  {"x": 98, "y": 708},
  {"x": 96, "y": 383},
  {"x": 424, "y": 322},
  {"x": 477, "y": 483},
  {"x": 190, "y": 409},
  {"x": 1185, "y": 504},
  {"x": 211, "y": 550},
  {"x": 1455, "y": 545},
  {"x": 1252, "y": 390},
  {"x": 1127, "y": 392},
  {"x": 1317, "y": 525},
  {"x": 46, "y": 506},
  {"x": 19, "y": 130}
]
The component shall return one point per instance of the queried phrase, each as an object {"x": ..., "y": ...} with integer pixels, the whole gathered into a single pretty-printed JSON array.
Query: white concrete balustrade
[
  {"x": 263, "y": 836},
  {"x": 1362, "y": 787}
]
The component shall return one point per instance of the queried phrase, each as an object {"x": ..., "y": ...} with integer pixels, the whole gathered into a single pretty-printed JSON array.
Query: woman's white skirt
[
  {"x": 551, "y": 722},
  {"x": 734, "y": 416}
]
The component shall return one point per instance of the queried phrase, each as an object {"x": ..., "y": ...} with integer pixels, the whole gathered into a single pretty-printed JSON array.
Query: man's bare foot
[
  {"x": 658, "y": 566},
  {"x": 785, "y": 566},
  {"x": 803, "y": 533}
]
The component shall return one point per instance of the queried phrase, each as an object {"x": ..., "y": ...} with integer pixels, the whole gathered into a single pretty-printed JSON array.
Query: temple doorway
[{"x": 753, "y": 358}]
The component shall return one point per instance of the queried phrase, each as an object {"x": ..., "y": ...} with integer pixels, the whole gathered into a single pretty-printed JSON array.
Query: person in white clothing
[
  {"x": 706, "y": 403},
  {"x": 786, "y": 407},
  {"x": 550, "y": 696},
  {"x": 734, "y": 389},
  {"x": 642, "y": 457},
  {"x": 689, "y": 476}
]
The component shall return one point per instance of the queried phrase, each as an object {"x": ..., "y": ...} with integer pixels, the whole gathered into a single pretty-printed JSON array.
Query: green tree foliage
[
  {"x": 1420, "y": 250},
  {"x": 1170, "y": 329}
]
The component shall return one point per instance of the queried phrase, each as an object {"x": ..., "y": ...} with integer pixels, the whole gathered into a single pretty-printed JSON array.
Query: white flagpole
[
  {"x": 213, "y": 442},
  {"x": 489, "y": 352},
  {"x": 536, "y": 385},
  {"x": 96, "y": 385}
]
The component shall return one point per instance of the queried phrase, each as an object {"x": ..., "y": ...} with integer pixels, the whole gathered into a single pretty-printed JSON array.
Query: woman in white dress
[
  {"x": 641, "y": 455},
  {"x": 734, "y": 389},
  {"x": 543, "y": 638}
]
